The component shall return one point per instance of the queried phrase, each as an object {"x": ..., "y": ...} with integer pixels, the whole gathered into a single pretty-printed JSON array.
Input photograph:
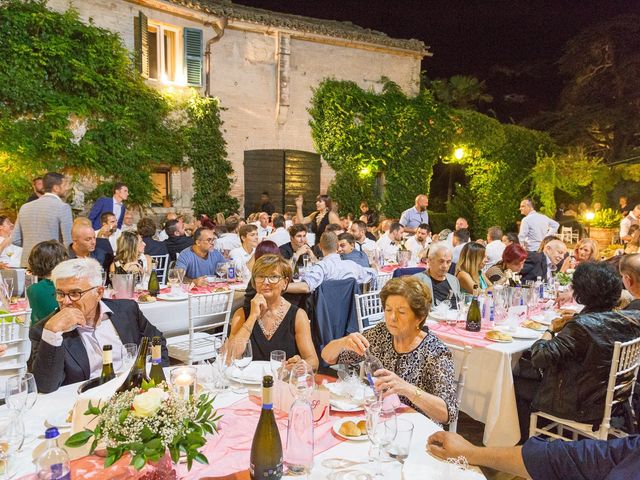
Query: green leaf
[
  {"x": 175, "y": 453},
  {"x": 123, "y": 416},
  {"x": 153, "y": 444},
  {"x": 110, "y": 460},
  {"x": 146, "y": 434},
  {"x": 138, "y": 461},
  {"x": 200, "y": 458},
  {"x": 147, "y": 385},
  {"x": 78, "y": 439}
]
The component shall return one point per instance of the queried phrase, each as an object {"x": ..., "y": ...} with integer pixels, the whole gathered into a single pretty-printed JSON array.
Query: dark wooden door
[{"x": 285, "y": 174}]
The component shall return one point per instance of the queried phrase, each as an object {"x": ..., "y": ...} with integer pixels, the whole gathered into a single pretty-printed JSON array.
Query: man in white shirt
[
  {"x": 230, "y": 239},
  {"x": 389, "y": 243},
  {"x": 264, "y": 229},
  {"x": 67, "y": 345},
  {"x": 625, "y": 224},
  {"x": 419, "y": 242},
  {"x": 109, "y": 230},
  {"x": 534, "y": 226},
  {"x": 359, "y": 232},
  {"x": 242, "y": 255},
  {"x": 280, "y": 235},
  {"x": 331, "y": 267},
  {"x": 495, "y": 247},
  {"x": 459, "y": 239}
]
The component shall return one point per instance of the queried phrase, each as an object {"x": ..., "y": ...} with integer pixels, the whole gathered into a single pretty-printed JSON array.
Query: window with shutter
[
  {"x": 141, "y": 43},
  {"x": 193, "y": 56}
]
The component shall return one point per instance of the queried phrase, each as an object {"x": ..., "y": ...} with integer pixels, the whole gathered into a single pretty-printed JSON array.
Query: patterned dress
[{"x": 429, "y": 366}]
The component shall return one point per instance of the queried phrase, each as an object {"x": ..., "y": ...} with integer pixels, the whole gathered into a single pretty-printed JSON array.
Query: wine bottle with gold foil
[
  {"x": 266, "y": 448},
  {"x": 474, "y": 318},
  {"x": 138, "y": 371},
  {"x": 156, "y": 373},
  {"x": 107, "y": 364}
]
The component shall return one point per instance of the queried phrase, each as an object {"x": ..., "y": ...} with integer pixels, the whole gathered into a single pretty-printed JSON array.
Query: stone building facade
[{"x": 263, "y": 67}]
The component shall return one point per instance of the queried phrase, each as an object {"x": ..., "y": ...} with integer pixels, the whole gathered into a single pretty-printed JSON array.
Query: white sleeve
[{"x": 52, "y": 338}]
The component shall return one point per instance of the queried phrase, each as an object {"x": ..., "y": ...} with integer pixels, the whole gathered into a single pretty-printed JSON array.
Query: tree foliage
[{"x": 460, "y": 91}]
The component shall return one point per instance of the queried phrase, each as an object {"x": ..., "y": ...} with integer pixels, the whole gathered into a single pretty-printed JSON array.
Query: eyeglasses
[
  {"x": 208, "y": 240},
  {"x": 268, "y": 279},
  {"x": 73, "y": 296}
]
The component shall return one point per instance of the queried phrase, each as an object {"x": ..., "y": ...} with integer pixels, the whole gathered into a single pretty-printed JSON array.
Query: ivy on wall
[{"x": 212, "y": 172}]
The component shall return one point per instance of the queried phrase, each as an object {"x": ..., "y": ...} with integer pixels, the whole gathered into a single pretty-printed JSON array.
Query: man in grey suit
[{"x": 47, "y": 218}]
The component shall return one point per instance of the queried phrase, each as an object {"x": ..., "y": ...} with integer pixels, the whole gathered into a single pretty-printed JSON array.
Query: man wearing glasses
[
  {"x": 201, "y": 259},
  {"x": 67, "y": 345}
]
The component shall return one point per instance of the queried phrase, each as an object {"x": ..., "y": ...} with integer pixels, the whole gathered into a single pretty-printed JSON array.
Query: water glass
[
  {"x": 382, "y": 427},
  {"x": 399, "y": 448},
  {"x": 241, "y": 354},
  {"x": 301, "y": 380},
  {"x": 277, "y": 360},
  {"x": 128, "y": 354},
  {"x": 21, "y": 392},
  {"x": 11, "y": 440}
]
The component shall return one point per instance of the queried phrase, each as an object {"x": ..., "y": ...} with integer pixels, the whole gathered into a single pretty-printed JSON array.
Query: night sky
[{"x": 478, "y": 38}]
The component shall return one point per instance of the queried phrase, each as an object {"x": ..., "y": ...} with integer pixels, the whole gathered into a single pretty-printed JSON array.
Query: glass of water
[{"x": 398, "y": 449}]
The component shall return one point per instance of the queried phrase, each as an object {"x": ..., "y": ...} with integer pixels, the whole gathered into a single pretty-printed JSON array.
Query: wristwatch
[{"x": 551, "y": 332}]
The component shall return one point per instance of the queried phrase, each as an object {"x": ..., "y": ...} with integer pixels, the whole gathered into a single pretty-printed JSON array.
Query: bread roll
[
  {"x": 349, "y": 429},
  {"x": 362, "y": 425}
]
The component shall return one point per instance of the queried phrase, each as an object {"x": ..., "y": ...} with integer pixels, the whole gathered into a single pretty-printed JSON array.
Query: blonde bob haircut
[
  {"x": 593, "y": 246},
  {"x": 414, "y": 291},
  {"x": 268, "y": 265}
]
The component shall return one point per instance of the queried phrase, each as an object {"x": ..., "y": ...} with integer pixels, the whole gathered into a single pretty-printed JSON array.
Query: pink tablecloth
[{"x": 458, "y": 335}]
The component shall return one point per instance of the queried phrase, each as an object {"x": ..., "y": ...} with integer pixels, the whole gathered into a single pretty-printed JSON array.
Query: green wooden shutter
[
  {"x": 141, "y": 43},
  {"x": 193, "y": 56}
]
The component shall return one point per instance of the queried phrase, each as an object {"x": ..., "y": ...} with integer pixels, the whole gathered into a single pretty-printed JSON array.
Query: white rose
[{"x": 148, "y": 403}]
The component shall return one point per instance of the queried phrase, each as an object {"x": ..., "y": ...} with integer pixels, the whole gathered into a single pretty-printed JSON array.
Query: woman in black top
[
  {"x": 319, "y": 219},
  {"x": 272, "y": 323}
]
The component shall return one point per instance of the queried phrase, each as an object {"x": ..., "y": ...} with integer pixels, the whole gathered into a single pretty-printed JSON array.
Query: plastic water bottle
[
  {"x": 231, "y": 272},
  {"x": 53, "y": 463},
  {"x": 488, "y": 309},
  {"x": 540, "y": 285},
  {"x": 518, "y": 299}
]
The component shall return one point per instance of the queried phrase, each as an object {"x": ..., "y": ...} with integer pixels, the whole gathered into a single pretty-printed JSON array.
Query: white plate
[
  {"x": 521, "y": 332},
  {"x": 441, "y": 316},
  {"x": 345, "y": 406},
  {"x": 172, "y": 298},
  {"x": 252, "y": 374},
  {"x": 58, "y": 419},
  {"x": 338, "y": 424}
]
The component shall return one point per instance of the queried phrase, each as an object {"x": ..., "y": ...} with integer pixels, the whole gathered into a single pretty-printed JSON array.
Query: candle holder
[{"x": 183, "y": 381}]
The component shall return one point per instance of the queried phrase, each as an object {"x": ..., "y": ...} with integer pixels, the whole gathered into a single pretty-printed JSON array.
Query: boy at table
[
  {"x": 67, "y": 345},
  {"x": 201, "y": 259}
]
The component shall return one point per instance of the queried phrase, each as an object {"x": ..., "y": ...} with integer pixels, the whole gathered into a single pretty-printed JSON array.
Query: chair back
[
  {"x": 402, "y": 272},
  {"x": 566, "y": 234},
  {"x": 334, "y": 311},
  {"x": 369, "y": 311},
  {"x": 381, "y": 280},
  {"x": 162, "y": 266},
  {"x": 462, "y": 375},
  {"x": 14, "y": 333},
  {"x": 622, "y": 378}
]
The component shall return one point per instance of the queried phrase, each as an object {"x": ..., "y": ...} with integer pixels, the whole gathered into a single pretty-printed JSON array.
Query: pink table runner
[{"x": 457, "y": 334}]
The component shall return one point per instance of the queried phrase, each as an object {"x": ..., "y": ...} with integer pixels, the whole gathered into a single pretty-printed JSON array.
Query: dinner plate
[
  {"x": 252, "y": 374},
  {"x": 441, "y": 316},
  {"x": 521, "y": 332},
  {"x": 172, "y": 298},
  {"x": 142, "y": 302},
  {"x": 58, "y": 419},
  {"x": 497, "y": 340},
  {"x": 338, "y": 424}
]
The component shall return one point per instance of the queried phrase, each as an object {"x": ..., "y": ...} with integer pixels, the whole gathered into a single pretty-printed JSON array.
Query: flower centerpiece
[{"x": 147, "y": 422}]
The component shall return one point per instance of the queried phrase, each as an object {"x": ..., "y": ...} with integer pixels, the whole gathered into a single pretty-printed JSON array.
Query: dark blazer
[
  {"x": 104, "y": 258},
  {"x": 54, "y": 367},
  {"x": 103, "y": 205},
  {"x": 176, "y": 244},
  {"x": 154, "y": 247},
  {"x": 534, "y": 266}
]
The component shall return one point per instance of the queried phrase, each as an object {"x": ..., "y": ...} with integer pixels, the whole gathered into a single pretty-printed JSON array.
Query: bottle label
[
  {"x": 57, "y": 472},
  {"x": 231, "y": 273},
  {"x": 276, "y": 472},
  {"x": 156, "y": 354},
  {"x": 107, "y": 357}
]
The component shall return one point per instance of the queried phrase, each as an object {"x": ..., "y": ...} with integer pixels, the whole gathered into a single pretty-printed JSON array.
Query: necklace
[{"x": 277, "y": 318}]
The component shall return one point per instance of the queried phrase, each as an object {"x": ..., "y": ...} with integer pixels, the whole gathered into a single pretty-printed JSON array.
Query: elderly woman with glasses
[
  {"x": 272, "y": 323},
  {"x": 417, "y": 366}
]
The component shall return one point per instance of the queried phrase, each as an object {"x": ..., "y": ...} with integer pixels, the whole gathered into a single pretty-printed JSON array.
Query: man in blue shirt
[
  {"x": 415, "y": 215},
  {"x": 347, "y": 251},
  {"x": 616, "y": 459},
  {"x": 201, "y": 259}
]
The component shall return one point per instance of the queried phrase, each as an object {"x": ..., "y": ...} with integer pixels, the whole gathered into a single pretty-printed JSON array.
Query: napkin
[{"x": 253, "y": 373}]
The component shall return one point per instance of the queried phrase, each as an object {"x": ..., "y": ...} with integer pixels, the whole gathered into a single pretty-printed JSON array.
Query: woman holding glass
[
  {"x": 417, "y": 365},
  {"x": 473, "y": 258},
  {"x": 587, "y": 250},
  {"x": 272, "y": 323},
  {"x": 513, "y": 258}
]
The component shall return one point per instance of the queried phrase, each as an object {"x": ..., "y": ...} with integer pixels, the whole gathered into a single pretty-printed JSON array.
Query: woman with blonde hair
[
  {"x": 587, "y": 250},
  {"x": 131, "y": 257},
  {"x": 473, "y": 258},
  {"x": 417, "y": 366},
  {"x": 270, "y": 322}
]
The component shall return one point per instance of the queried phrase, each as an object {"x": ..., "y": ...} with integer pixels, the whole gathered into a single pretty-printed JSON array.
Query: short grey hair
[
  {"x": 437, "y": 247},
  {"x": 79, "y": 268}
]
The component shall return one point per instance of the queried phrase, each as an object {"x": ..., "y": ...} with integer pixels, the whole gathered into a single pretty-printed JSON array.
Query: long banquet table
[{"x": 419, "y": 462}]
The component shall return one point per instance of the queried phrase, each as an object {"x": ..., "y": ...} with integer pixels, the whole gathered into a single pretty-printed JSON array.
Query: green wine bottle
[
  {"x": 138, "y": 372},
  {"x": 474, "y": 318},
  {"x": 266, "y": 448},
  {"x": 107, "y": 365},
  {"x": 156, "y": 373},
  {"x": 154, "y": 285}
]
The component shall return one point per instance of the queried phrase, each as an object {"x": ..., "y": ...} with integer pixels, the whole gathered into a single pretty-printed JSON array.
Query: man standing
[
  {"x": 495, "y": 247},
  {"x": 264, "y": 229},
  {"x": 625, "y": 224},
  {"x": 47, "y": 218},
  {"x": 419, "y": 242},
  {"x": 110, "y": 204},
  {"x": 280, "y": 236},
  {"x": 38, "y": 189},
  {"x": 414, "y": 216},
  {"x": 389, "y": 243},
  {"x": 66, "y": 347},
  {"x": 348, "y": 252},
  {"x": 534, "y": 226},
  {"x": 359, "y": 231},
  {"x": 176, "y": 240},
  {"x": 201, "y": 259},
  {"x": 266, "y": 205}
]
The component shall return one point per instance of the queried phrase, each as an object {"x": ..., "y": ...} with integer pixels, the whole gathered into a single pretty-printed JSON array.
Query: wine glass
[
  {"x": 381, "y": 423},
  {"x": 21, "y": 392},
  {"x": 128, "y": 354},
  {"x": 6, "y": 284},
  {"x": 11, "y": 440},
  {"x": 301, "y": 380},
  {"x": 221, "y": 365},
  {"x": 181, "y": 273},
  {"x": 242, "y": 355},
  {"x": 174, "y": 279},
  {"x": 221, "y": 270}
]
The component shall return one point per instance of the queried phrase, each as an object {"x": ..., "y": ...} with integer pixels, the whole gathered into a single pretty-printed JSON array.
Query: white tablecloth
[{"x": 419, "y": 460}]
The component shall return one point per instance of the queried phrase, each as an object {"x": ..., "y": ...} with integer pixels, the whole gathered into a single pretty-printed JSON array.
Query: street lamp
[
  {"x": 589, "y": 216},
  {"x": 458, "y": 153}
]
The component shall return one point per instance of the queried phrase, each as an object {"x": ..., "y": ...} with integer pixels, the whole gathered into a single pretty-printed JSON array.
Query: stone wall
[{"x": 245, "y": 78}]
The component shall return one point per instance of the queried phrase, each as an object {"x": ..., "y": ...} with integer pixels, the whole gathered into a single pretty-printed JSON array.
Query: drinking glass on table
[
  {"x": 11, "y": 440},
  {"x": 398, "y": 449},
  {"x": 242, "y": 354},
  {"x": 221, "y": 270},
  {"x": 301, "y": 380},
  {"x": 6, "y": 285},
  {"x": 21, "y": 394},
  {"x": 128, "y": 354},
  {"x": 181, "y": 273},
  {"x": 173, "y": 278},
  {"x": 382, "y": 427}
]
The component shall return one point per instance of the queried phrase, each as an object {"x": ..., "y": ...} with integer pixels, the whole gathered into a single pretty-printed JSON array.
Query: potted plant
[{"x": 603, "y": 226}]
